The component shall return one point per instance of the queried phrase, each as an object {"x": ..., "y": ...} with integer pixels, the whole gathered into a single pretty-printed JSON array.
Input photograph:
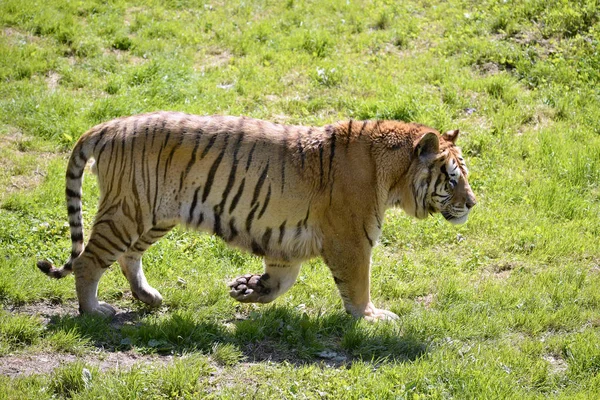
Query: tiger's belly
[{"x": 277, "y": 235}]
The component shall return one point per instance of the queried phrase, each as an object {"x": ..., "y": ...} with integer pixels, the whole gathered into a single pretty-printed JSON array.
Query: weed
[{"x": 68, "y": 380}]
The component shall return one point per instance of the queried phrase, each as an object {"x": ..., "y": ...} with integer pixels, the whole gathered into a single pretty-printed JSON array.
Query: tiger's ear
[
  {"x": 450, "y": 136},
  {"x": 428, "y": 144}
]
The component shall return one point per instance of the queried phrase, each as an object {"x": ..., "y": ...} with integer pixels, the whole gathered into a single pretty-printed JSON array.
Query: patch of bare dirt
[
  {"x": 45, "y": 310},
  {"x": 18, "y": 35},
  {"x": 489, "y": 68},
  {"x": 426, "y": 300},
  {"x": 213, "y": 59},
  {"x": 15, "y": 173},
  {"x": 24, "y": 182},
  {"x": 557, "y": 364},
  {"x": 52, "y": 80},
  {"x": 500, "y": 271},
  {"x": 124, "y": 56},
  {"x": 44, "y": 363}
]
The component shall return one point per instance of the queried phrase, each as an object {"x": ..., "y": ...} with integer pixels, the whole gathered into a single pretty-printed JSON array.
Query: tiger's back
[{"x": 210, "y": 173}]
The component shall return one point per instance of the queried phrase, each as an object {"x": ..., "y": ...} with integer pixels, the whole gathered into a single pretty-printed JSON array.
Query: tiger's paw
[
  {"x": 250, "y": 289},
  {"x": 371, "y": 313},
  {"x": 148, "y": 295},
  {"x": 100, "y": 309},
  {"x": 379, "y": 314}
]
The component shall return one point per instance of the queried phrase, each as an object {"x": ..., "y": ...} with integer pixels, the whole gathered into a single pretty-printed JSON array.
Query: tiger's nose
[{"x": 470, "y": 203}]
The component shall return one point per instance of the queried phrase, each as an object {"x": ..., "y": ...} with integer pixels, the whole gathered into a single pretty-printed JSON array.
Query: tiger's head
[{"x": 437, "y": 179}]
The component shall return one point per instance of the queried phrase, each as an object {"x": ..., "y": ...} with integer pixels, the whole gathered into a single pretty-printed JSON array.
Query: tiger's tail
[{"x": 74, "y": 180}]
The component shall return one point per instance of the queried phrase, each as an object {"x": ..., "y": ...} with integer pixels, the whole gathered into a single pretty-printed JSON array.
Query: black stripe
[
  {"x": 110, "y": 242},
  {"x": 74, "y": 176},
  {"x": 250, "y": 218},
  {"x": 301, "y": 150},
  {"x": 362, "y": 128},
  {"x": 193, "y": 206},
  {"x": 115, "y": 231},
  {"x": 144, "y": 166},
  {"x": 172, "y": 153},
  {"x": 217, "y": 226},
  {"x": 73, "y": 209},
  {"x": 124, "y": 162},
  {"x": 134, "y": 134},
  {"x": 111, "y": 163},
  {"x": 72, "y": 194},
  {"x": 232, "y": 230},
  {"x": 127, "y": 210},
  {"x": 298, "y": 229},
  {"x": 76, "y": 236},
  {"x": 161, "y": 230},
  {"x": 332, "y": 153},
  {"x": 259, "y": 184},
  {"x": 191, "y": 161},
  {"x": 249, "y": 161},
  {"x": 266, "y": 238},
  {"x": 425, "y": 185},
  {"x": 100, "y": 137},
  {"x": 210, "y": 144},
  {"x": 349, "y": 133},
  {"x": 154, "y": 205},
  {"x": 82, "y": 156},
  {"x": 281, "y": 231},
  {"x": 444, "y": 171},
  {"x": 232, "y": 174},
  {"x": 213, "y": 170},
  {"x": 256, "y": 249},
  {"x": 237, "y": 196},
  {"x": 102, "y": 211},
  {"x": 138, "y": 212},
  {"x": 144, "y": 241},
  {"x": 75, "y": 254},
  {"x": 100, "y": 155},
  {"x": 140, "y": 248},
  {"x": 76, "y": 224},
  {"x": 98, "y": 246},
  {"x": 93, "y": 254},
  {"x": 264, "y": 207},
  {"x": 367, "y": 235}
]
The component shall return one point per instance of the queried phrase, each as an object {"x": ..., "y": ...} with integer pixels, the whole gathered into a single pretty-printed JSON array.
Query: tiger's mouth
[{"x": 454, "y": 219}]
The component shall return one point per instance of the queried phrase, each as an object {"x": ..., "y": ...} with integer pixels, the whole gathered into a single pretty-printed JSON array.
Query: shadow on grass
[{"x": 276, "y": 334}]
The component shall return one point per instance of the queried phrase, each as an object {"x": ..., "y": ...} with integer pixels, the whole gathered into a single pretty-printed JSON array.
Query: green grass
[{"x": 506, "y": 306}]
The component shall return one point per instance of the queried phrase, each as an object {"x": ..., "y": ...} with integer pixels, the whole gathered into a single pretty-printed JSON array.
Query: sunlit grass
[{"x": 505, "y": 306}]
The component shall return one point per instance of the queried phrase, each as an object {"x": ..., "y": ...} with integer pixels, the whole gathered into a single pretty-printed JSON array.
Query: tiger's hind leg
[
  {"x": 278, "y": 278},
  {"x": 106, "y": 244},
  {"x": 131, "y": 266}
]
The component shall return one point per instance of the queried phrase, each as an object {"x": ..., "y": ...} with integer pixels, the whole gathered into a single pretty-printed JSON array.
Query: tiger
[{"x": 285, "y": 193}]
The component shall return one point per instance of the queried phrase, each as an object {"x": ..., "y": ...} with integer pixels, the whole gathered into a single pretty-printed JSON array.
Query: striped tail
[{"x": 73, "y": 192}]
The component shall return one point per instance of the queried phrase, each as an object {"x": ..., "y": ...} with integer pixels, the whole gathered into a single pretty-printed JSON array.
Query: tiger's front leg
[
  {"x": 278, "y": 278},
  {"x": 350, "y": 264}
]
